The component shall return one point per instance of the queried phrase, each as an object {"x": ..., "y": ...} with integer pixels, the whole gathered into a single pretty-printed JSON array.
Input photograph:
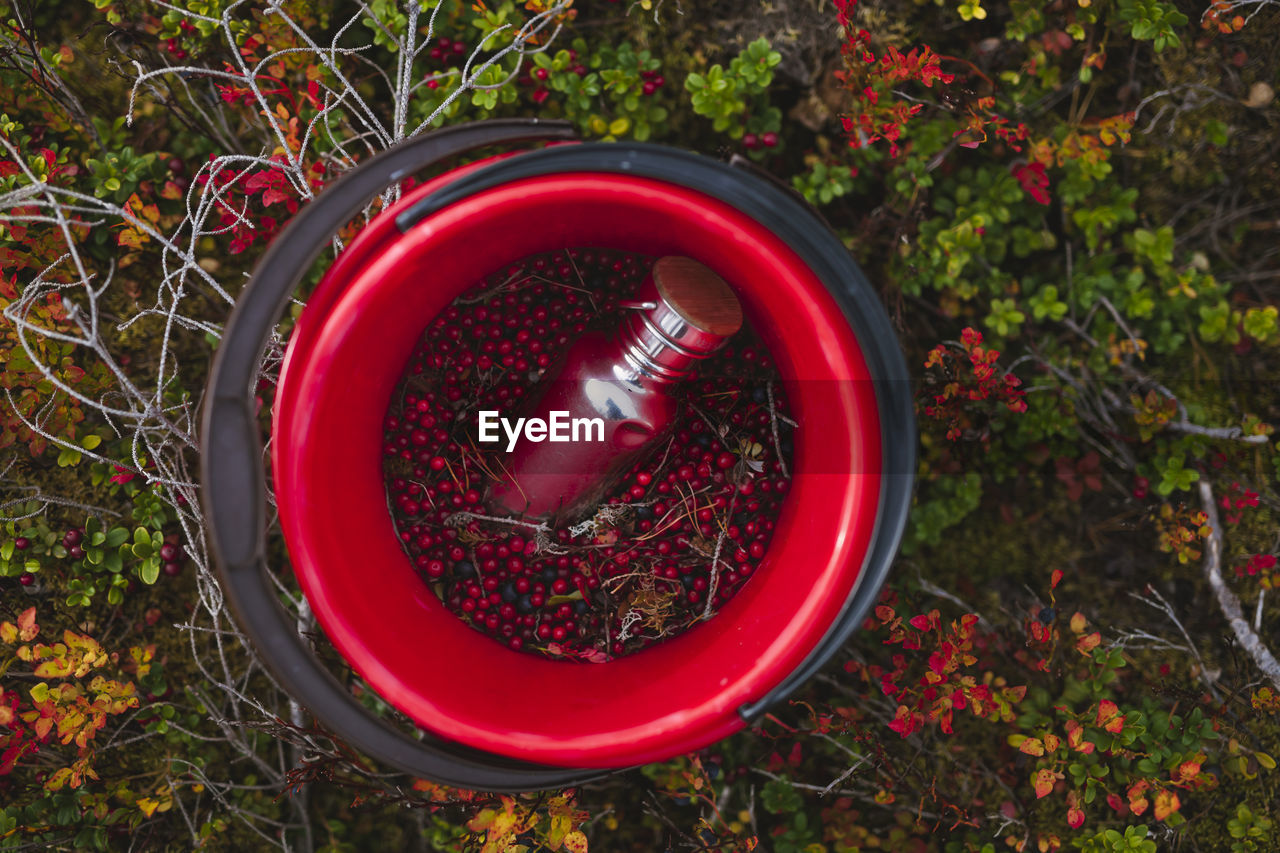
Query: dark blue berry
[
  {"x": 758, "y": 396},
  {"x": 509, "y": 592},
  {"x": 464, "y": 569},
  {"x": 580, "y": 607},
  {"x": 1046, "y": 615},
  {"x": 644, "y": 513},
  {"x": 524, "y": 604}
]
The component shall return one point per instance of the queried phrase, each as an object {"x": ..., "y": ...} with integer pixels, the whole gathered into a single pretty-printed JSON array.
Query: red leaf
[
  {"x": 1075, "y": 814},
  {"x": 904, "y": 722}
]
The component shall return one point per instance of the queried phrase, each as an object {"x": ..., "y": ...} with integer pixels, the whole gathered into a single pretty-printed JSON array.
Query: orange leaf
[
  {"x": 1077, "y": 623},
  {"x": 1051, "y": 743},
  {"x": 1043, "y": 781},
  {"x": 1166, "y": 804},
  {"x": 27, "y": 627},
  {"x": 1109, "y": 717},
  {"x": 1055, "y": 578},
  {"x": 1088, "y": 643}
]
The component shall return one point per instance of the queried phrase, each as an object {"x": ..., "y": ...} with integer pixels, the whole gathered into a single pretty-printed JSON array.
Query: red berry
[
  {"x": 541, "y": 73},
  {"x": 26, "y": 579},
  {"x": 750, "y": 140},
  {"x": 22, "y": 543},
  {"x": 770, "y": 139}
]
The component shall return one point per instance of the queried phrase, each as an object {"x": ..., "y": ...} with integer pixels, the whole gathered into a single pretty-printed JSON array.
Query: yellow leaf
[
  {"x": 1031, "y": 746},
  {"x": 147, "y": 805},
  {"x": 482, "y": 820},
  {"x": 575, "y": 842}
]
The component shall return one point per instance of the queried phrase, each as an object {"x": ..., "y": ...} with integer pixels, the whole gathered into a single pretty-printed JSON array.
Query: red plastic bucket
[{"x": 832, "y": 545}]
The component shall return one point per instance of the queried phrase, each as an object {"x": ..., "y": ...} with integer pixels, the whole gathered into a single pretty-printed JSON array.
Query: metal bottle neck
[{"x": 662, "y": 337}]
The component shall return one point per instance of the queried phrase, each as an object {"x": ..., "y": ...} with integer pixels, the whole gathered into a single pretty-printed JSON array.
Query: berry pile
[{"x": 640, "y": 569}]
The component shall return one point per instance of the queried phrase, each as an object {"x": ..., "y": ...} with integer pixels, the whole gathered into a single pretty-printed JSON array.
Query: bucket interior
[{"x": 342, "y": 366}]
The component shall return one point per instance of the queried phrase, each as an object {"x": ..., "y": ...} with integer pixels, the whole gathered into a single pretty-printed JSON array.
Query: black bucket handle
[{"x": 234, "y": 483}]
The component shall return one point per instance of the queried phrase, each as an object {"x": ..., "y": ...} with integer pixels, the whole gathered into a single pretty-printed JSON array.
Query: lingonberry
[
  {"x": 22, "y": 543},
  {"x": 489, "y": 353}
]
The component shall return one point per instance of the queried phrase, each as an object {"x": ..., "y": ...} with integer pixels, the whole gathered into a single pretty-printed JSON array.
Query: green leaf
[{"x": 149, "y": 571}]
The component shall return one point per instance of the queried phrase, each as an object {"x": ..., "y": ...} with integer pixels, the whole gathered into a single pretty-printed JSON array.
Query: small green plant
[
  {"x": 1134, "y": 840},
  {"x": 736, "y": 98},
  {"x": 1153, "y": 21},
  {"x": 1252, "y": 832}
]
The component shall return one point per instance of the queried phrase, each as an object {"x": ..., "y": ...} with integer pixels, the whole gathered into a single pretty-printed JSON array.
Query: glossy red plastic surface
[
  {"x": 674, "y": 697},
  {"x": 374, "y": 235}
]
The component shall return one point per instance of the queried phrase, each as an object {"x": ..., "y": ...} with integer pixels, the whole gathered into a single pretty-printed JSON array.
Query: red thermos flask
[{"x": 609, "y": 401}]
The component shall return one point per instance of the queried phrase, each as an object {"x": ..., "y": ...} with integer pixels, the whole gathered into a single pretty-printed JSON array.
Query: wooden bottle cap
[{"x": 699, "y": 296}]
